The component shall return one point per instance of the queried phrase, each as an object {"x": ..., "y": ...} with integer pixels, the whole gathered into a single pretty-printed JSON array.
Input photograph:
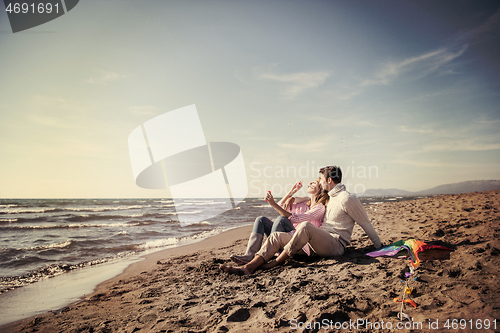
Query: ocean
[{"x": 42, "y": 238}]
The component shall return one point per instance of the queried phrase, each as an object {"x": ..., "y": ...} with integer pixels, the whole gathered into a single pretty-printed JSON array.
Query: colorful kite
[{"x": 415, "y": 248}]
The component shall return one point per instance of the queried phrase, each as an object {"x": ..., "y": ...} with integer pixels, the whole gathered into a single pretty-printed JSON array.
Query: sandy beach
[{"x": 183, "y": 290}]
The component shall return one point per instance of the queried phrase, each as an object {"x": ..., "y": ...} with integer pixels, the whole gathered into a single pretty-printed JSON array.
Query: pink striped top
[{"x": 302, "y": 213}]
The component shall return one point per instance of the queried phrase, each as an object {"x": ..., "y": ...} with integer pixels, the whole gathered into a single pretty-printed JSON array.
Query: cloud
[
  {"x": 343, "y": 120},
  {"x": 484, "y": 32},
  {"x": 310, "y": 147},
  {"x": 105, "y": 77},
  {"x": 144, "y": 110},
  {"x": 414, "y": 130},
  {"x": 463, "y": 144},
  {"x": 418, "y": 162},
  {"x": 417, "y": 66},
  {"x": 57, "y": 112},
  {"x": 49, "y": 121},
  {"x": 295, "y": 83},
  {"x": 344, "y": 93}
]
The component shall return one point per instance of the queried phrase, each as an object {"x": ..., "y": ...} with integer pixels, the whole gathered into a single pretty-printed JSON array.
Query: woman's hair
[{"x": 321, "y": 197}]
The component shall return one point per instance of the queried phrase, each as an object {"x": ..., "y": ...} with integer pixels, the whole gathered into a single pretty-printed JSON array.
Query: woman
[{"x": 293, "y": 211}]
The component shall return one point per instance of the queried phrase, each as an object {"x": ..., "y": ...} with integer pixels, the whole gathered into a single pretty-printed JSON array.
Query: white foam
[
  {"x": 178, "y": 213},
  {"x": 25, "y": 210},
  {"x": 76, "y": 225},
  {"x": 159, "y": 243},
  {"x": 60, "y": 245}
]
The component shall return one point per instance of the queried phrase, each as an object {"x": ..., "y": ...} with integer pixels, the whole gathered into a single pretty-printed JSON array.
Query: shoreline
[
  {"x": 84, "y": 282},
  {"x": 182, "y": 289},
  {"x": 225, "y": 238}
]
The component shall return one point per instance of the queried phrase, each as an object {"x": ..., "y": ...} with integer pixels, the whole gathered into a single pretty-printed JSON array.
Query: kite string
[{"x": 406, "y": 289}]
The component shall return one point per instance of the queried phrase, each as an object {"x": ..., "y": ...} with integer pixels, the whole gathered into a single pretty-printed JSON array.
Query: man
[{"x": 343, "y": 211}]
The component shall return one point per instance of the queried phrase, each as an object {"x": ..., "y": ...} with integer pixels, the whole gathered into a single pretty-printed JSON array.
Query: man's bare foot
[
  {"x": 235, "y": 270},
  {"x": 269, "y": 265}
]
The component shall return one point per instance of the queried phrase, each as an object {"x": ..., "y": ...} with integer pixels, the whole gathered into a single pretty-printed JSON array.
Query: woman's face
[{"x": 313, "y": 187}]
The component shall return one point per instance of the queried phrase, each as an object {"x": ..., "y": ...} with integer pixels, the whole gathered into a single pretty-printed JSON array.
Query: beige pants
[{"x": 321, "y": 242}]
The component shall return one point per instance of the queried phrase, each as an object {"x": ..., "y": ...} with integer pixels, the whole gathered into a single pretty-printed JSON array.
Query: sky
[{"x": 400, "y": 94}]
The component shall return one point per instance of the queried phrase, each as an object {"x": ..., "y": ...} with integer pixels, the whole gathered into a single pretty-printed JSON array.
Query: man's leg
[
  {"x": 276, "y": 241},
  {"x": 322, "y": 242}
]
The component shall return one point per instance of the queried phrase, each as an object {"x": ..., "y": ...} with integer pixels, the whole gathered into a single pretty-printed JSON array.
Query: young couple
[{"x": 329, "y": 202}]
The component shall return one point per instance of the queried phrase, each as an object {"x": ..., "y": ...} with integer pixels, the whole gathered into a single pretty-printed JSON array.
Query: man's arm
[{"x": 356, "y": 210}]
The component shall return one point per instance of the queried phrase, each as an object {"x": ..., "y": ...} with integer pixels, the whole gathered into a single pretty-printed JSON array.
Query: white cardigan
[{"x": 343, "y": 210}]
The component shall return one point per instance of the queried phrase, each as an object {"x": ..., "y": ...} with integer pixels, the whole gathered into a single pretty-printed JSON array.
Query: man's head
[{"x": 330, "y": 176}]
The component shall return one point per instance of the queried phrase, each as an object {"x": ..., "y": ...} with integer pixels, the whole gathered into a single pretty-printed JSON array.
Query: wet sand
[{"x": 183, "y": 290}]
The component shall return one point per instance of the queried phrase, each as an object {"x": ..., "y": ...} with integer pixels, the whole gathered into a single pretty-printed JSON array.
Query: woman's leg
[
  {"x": 282, "y": 224},
  {"x": 262, "y": 226}
]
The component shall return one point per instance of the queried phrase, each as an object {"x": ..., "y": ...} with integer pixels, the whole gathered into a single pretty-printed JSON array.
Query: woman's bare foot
[
  {"x": 239, "y": 260},
  {"x": 235, "y": 270}
]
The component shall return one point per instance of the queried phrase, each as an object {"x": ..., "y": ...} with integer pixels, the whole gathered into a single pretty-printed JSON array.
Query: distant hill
[
  {"x": 380, "y": 192},
  {"x": 456, "y": 188}
]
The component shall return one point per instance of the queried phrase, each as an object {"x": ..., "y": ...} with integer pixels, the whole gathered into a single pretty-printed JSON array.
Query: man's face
[{"x": 323, "y": 182}]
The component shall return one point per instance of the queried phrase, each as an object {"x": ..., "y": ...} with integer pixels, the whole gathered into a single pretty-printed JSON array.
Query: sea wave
[
  {"x": 105, "y": 208},
  {"x": 60, "y": 245},
  {"x": 178, "y": 213},
  {"x": 197, "y": 203},
  {"x": 206, "y": 234},
  {"x": 169, "y": 203},
  {"x": 168, "y": 242},
  {"x": 51, "y": 270},
  {"x": 71, "y": 225},
  {"x": 8, "y": 220},
  {"x": 87, "y": 217},
  {"x": 25, "y": 211},
  {"x": 158, "y": 243},
  {"x": 30, "y": 219}
]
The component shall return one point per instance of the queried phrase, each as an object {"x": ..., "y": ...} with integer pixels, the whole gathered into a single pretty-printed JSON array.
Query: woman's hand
[
  {"x": 296, "y": 187},
  {"x": 269, "y": 198},
  {"x": 288, "y": 203}
]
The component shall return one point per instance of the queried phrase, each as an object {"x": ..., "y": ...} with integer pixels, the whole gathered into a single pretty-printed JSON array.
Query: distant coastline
[{"x": 454, "y": 188}]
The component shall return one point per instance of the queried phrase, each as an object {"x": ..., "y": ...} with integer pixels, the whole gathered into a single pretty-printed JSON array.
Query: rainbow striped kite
[{"x": 414, "y": 249}]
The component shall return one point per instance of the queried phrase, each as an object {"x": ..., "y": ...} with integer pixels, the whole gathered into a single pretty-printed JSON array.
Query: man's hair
[{"x": 332, "y": 172}]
